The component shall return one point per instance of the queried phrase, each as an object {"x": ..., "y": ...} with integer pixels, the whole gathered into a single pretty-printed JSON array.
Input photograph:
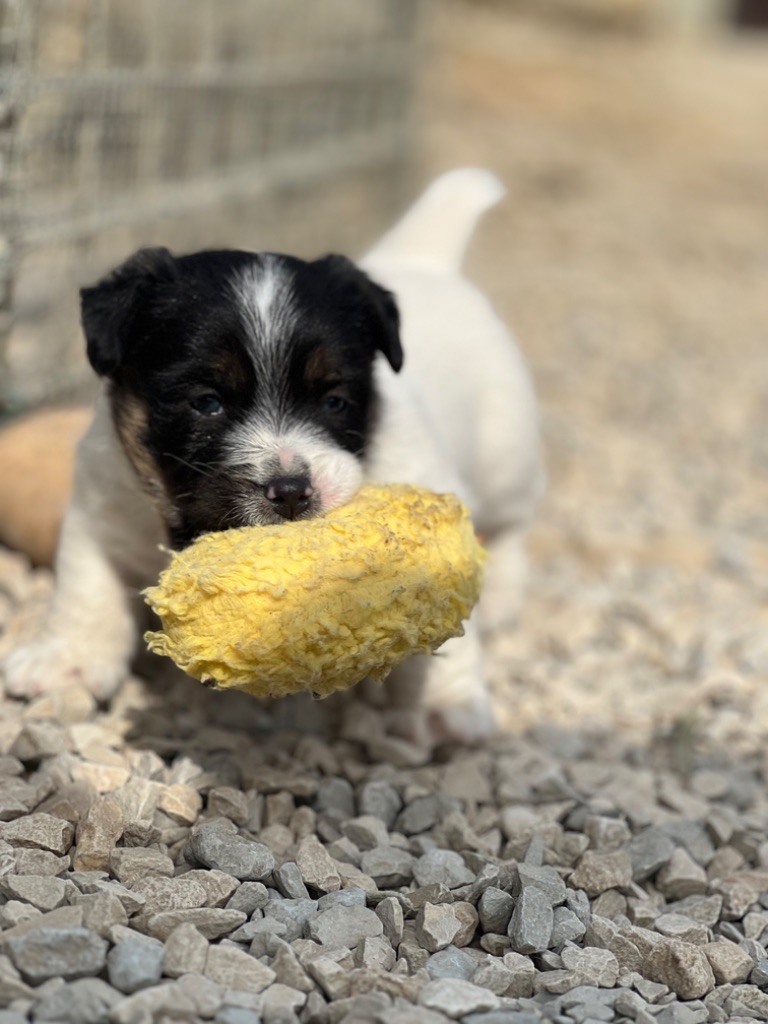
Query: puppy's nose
[{"x": 289, "y": 495}]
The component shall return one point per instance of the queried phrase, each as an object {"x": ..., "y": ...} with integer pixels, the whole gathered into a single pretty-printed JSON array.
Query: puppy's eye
[
  {"x": 335, "y": 404},
  {"x": 208, "y": 404}
]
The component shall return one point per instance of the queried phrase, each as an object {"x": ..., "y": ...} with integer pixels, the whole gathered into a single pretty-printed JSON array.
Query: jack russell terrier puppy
[{"x": 248, "y": 388}]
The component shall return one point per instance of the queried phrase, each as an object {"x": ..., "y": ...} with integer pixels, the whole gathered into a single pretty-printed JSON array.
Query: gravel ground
[{"x": 183, "y": 855}]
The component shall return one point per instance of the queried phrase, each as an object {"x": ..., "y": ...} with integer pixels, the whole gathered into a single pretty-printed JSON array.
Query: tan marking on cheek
[
  {"x": 131, "y": 421},
  {"x": 320, "y": 365},
  {"x": 228, "y": 371}
]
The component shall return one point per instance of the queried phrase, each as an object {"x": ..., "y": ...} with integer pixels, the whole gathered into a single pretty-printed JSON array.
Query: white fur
[
  {"x": 265, "y": 296},
  {"x": 336, "y": 475},
  {"x": 460, "y": 417}
]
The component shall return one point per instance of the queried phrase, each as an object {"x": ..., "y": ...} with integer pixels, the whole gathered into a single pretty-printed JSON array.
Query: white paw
[
  {"x": 53, "y": 663},
  {"x": 464, "y": 723}
]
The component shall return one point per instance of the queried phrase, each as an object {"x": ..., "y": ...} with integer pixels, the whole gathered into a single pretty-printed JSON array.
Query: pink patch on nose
[{"x": 286, "y": 457}]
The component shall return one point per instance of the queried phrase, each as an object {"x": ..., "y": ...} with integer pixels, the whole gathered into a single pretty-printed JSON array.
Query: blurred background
[{"x": 630, "y": 257}]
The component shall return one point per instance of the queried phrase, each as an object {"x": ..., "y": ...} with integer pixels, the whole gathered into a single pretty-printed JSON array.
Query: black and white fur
[{"x": 243, "y": 389}]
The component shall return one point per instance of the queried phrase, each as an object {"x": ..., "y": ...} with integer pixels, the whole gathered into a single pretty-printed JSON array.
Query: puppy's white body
[{"x": 460, "y": 417}]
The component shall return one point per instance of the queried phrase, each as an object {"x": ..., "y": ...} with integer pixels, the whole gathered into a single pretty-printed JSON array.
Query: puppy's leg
[
  {"x": 504, "y": 581},
  {"x": 89, "y": 633},
  {"x": 451, "y": 687}
]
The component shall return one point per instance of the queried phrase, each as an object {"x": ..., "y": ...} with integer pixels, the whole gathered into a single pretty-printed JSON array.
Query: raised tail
[{"x": 436, "y": 229}]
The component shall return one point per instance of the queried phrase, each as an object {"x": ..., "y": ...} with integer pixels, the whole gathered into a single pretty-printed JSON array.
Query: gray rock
[
  {"x": 374, "y": 953},
  {"x": 530, "y": 928},
  {"x": 11, "y": 985},
  {"x": 98, "y": 834},
  {"x": 495, "y": 910},
  {"x": 185, "y": 952},
  {"x": 293, "y": 914},
  {"x": 153, "y": 1003},
  {"x": 388, "y": 866},
  {"x": 336, "y": 796},
  {"x": 289, "y": 882},
  {"x": 522, "y": 972},
  {"x": 249, "y": 896},
  {"x": 730, "y": 964},
  {"x": 130, "y": 864},
  {"x": 704, "y": 909},
  {"x": 43, "y": 891},
  {"x": 234, "y": 969},
  {"x": 648, "y": 851},
  {"x": 678, "y": 926},
  {"x": 681, "y": 1013},
  {"x": 424, "y": 813},
  {"x": 381, "y": 799},
  {"x": 40, "y": 830},
  {"x": 67, "y": 953},
  {"x": 693, "y": 836},
  {"x": 351, "y": 897},
  {"x": 211, "y": 922},
  {"x": 759, "y": 975},
  {"x": 546, "y": 879},
  {"x": 597, "y": 872},
  {"x": 160, "y": 893},
  {"x": 390, "y": 913},
  {"x": 443, "y": 866},
  {"x": 451, "y": 962},
  {"x": 436, "y": 926},
  {"x": 605, "y": 935},
  {"x": 578, "y": 902},
  {"x": 317, "y": 867},
  {"x": 494, "y": 976},
  {"x": 87, "y": 1001},
  {"x": 595, "y": 966},
  {"x": 207, "y": 995},
  {"x": 228, "y": 802},
  {"x": 606, "y": 834},
  {"x": 101, "y": 912},
  {"x": 344, "y": 926},
  {"x": 456, "y": 998},
  {"x": 30, "y": 861},
  {"x": 218, "y": 886},
  {"x": 213, "y": 846},
  {"x": 366, "y": 832},
  {"x": 135, "y": 964},
  {"x": 566, "y": 927},
  {"x": 681, "y": 876},
  {"x": 237, "y": 1015},
  {"x": 684, "y": 968}
]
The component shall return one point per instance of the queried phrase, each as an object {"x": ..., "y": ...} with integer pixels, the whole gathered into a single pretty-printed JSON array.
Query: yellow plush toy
[{"x": 322, "y": 603}]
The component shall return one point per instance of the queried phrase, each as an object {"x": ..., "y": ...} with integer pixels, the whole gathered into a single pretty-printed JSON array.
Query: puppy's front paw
[
  {"x": 52, "y": 663},
  {"x": 464, "y": 723}
]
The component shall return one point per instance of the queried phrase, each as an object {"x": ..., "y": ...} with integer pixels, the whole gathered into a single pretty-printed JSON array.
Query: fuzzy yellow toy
[{"x": 320, "y": 604}]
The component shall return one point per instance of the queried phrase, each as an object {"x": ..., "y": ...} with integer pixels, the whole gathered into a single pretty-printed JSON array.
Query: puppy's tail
[{"x": 436, "y": 229}]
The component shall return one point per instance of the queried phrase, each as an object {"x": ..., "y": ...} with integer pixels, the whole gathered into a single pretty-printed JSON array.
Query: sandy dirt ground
[{"x": 631, "y": 257}]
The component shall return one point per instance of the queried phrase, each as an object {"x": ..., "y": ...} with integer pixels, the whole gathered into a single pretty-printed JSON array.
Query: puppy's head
[{"x": 242, "y": 385}]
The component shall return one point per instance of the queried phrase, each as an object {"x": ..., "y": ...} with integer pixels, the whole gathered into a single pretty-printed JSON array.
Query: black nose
[{"x": 289, "y": 495}]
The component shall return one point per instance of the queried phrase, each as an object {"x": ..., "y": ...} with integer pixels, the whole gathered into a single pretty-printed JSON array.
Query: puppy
[{"x": 254, "y": 388}]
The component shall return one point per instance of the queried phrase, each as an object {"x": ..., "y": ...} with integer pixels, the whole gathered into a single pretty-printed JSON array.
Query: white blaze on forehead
[{"x": 265, "y": 294}]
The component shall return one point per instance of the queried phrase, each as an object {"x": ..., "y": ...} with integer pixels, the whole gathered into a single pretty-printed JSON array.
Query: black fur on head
[{"x": 230, "y": 371}]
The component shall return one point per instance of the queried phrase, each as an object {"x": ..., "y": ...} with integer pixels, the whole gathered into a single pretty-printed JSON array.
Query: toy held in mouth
[{"x": 319, "y": 604}]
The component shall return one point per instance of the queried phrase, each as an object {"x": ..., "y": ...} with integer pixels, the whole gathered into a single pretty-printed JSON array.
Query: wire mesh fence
[{"x": 246, "y": 123}]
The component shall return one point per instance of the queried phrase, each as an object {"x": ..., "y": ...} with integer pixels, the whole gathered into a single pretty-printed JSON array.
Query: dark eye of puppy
[
  {"x": 207, "y": 404},
  {"x": 335, "y": 404}
]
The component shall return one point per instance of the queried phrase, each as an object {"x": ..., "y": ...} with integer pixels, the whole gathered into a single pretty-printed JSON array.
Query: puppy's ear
[
  {"x": 109, "y": 309},
  {"x": 377, "y": 304}
]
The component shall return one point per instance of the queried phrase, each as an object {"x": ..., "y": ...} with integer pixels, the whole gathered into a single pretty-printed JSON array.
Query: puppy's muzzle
[{"x": 289, "y": 496}]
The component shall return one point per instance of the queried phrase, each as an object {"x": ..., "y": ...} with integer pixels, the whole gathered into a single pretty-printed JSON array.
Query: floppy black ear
[
  {"x": 379, "y": 305},
  {"x": 108, "y": 309}
]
